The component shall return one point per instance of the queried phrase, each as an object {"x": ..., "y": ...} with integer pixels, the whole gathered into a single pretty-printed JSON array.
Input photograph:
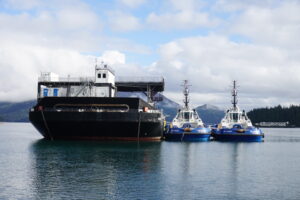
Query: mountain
[
  {"x": 18, "y": 112},
  {"x": 208, "y": 107},
  {"x": 15, "y": 112},
  {"x": 168, "y": 107},
  {"x": 210, "y": 114}
]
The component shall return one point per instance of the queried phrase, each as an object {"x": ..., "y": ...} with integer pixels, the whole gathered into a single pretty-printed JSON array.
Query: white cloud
[
  {"x": 187, "y": 5},
  {"x": 77, "y": 19},
  {"x": 170, "y": 50},
  {"x": 274, "y": 26},
  {"x": 113, "y": 57},
  {"x": 73, "y": 26},
  {"x": 60, "y": 28},
  {"x": 25, "y": 5},
  {"x": 181, "y": 15},
  {"x": 123, "y": 22},
  {"x": 266, "y": 74},
  {"x": 180, "y": 20},
  {"x": 237, "y": 5},
  {"x": 132, "y": 3},
  {"x": 20, "y": 66},
  {"x": 21, "y": 4}
]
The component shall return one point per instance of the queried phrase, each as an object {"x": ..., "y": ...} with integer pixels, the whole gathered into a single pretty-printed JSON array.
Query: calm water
[{"x": 32, "y": 168}]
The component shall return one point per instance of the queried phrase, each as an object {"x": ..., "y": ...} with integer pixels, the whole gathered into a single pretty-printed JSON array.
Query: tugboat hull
[
  {"x": 233, "y": 135},
  {"x": 178, "y": 134}
]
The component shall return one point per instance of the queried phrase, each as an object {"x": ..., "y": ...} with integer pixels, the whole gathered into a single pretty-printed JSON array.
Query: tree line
[{"x": 278, "y": 113}]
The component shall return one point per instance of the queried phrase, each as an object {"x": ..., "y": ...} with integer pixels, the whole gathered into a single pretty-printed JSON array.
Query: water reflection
[
  {"x": 214, "y": 170},
  {"x": 166, "y": 170},
  {"x": 38, "y": 169},
  {"x": 186, "y": 170},
  {"x": 105, "y": 170},
  {"x": 282, "y": 134}
]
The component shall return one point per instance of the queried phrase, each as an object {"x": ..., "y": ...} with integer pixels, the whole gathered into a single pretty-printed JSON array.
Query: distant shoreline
[
  {"x": 278, "y": 126},
  {"x": 13, "y": 122}
]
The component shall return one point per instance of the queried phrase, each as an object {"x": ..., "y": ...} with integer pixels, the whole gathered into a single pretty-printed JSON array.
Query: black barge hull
[{"x": 58, "y": 118}]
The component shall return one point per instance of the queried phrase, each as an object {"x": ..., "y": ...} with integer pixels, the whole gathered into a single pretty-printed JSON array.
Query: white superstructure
[
  {"x": 187, "y": 115},
  {"x": 234, "y": 115},
  {"x": 101, "y": 85}
]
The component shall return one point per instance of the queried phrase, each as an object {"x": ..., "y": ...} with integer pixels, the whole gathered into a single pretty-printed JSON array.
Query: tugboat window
[
  {"x": 235, "y": 117},
  {"x": 186, "y": 115},
  {"x": 104, "y": 75},
  {"x": 99, "y": 75}
]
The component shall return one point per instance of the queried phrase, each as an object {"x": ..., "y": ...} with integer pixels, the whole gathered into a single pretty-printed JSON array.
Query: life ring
[
  {"x": 187, "y": 129},
  {"x": 240, "y": 130}
]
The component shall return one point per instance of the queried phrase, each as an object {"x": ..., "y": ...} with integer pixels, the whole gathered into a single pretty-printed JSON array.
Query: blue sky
[{"x": 210, "y": 43}]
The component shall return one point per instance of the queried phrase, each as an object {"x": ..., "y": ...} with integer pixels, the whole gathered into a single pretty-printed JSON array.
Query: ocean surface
[{"x": 33, "y": 168}]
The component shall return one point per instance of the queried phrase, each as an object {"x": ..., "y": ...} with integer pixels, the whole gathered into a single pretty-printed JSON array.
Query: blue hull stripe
[{"x": 196, "y": 134}]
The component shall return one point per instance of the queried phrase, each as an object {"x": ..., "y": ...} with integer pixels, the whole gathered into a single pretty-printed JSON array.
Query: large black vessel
[{"x": 87, "y": 108}]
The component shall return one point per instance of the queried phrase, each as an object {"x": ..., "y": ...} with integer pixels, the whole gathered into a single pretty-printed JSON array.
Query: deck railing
[
  {"x": 143, "y": 79},
  {"x": 67, "y": 79}
]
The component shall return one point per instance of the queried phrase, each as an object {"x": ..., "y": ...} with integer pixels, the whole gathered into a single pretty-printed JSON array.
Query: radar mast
[
  {"x": 186, "y": 99},
  {"x": 234, "y": 95}
]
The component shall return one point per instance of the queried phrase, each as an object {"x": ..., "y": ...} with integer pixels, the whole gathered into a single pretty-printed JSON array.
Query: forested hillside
[{"x": 276, "y": 114}]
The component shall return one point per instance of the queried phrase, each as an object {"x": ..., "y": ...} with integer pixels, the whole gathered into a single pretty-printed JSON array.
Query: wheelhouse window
[
  {"x": 99, "y": 75},
  {"x": 235, "y": 117},
  {"x": 186, "y": 115},
  {"x": 104, "y": 75}
]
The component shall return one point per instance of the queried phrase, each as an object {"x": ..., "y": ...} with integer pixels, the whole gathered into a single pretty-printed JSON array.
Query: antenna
[
  {"x": 234, "y": 95},
  {"x": 96, "y": 60},
  {"x": 186, "y": 93}
]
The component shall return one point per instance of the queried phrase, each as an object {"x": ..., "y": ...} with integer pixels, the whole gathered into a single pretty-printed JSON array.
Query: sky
[{"x": 210, "y": 43}]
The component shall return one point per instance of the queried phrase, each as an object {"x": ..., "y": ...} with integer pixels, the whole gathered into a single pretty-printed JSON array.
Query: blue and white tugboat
[
  {"x": 236, "y": 126},
  {"x": 187, "y": 125}
]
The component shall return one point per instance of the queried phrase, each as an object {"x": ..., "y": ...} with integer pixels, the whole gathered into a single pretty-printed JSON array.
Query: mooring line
[
  {"x": 46, "y": 125},
  {"x": 139, "y": 126},
  {"x": 182, "y": 136}
]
